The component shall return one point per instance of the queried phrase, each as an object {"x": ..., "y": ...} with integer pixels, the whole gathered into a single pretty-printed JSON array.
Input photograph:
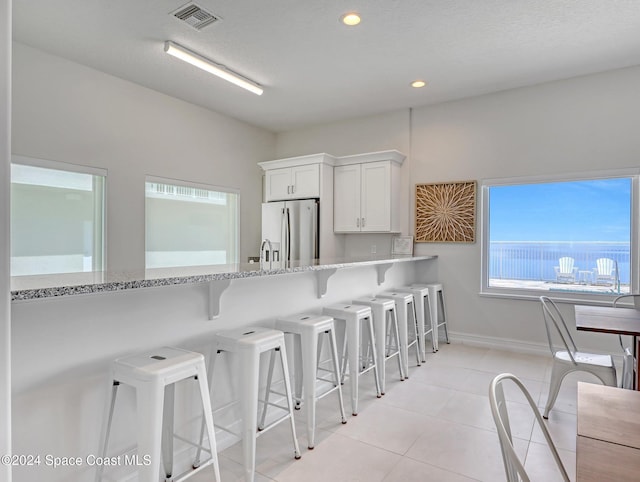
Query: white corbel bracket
[
  {"x": 216, "y": 288},
  {"x": 382, "y": 271},
  {"x": 322, "y": 276}
]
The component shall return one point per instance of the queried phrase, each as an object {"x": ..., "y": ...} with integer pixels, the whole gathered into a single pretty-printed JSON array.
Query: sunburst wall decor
[{"x": 446, "y": 212}]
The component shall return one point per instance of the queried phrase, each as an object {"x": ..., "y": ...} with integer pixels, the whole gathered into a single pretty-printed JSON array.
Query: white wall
[
  {"x": 5, "y": 307},
  {"x": 585, "y": 123},
  {"x": 67, "y": 112}
]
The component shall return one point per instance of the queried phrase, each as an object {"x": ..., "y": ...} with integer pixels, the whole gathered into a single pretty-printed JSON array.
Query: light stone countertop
[{"x": 68, "y": 284}]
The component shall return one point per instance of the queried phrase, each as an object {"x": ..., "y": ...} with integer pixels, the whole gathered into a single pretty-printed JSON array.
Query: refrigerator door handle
[
  {"x": 283, "y": 234},
  {"x": 288, "y": 235}
]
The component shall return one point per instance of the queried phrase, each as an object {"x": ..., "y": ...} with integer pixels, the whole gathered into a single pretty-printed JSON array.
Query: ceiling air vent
[{"x": 195, "y": 16}]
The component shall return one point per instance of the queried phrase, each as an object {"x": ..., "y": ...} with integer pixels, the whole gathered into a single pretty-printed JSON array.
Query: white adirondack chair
[
  {"x": 565, "y": 271},
  {"x": 605, "y": 272}
]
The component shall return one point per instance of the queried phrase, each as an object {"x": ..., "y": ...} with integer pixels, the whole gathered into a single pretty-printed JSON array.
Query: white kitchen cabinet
[
  {"x": 346, "y": 198},
  {"x": 296, "y": 182},
  {"x": 366, "y": 197},
  {"x": 375, "y": 205}
]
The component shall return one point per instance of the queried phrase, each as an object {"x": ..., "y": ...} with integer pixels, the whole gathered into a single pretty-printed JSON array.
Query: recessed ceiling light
[
  {"x": 418, "y": 83},
  {"x": 351, "y": 19}
]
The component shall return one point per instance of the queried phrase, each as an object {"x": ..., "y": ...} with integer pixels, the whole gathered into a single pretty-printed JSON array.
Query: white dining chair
[
  {"x": 569, "y": 359},
  {"x": 628, "y": 357},
  {"x": 513, "y": 467}
]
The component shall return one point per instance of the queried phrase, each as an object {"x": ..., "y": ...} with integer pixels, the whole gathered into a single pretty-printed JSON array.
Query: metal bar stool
[
  {"x": 422, "y": 304},
  {"x": 437, "y": 309},
  {"x": 153, "y": 375},
  {"x": 404, "y": 305},
  {"x": 385, "y": 325},
  {"x": 354, "y": 317},
  {"x": 248, "y": 343},
  {"x": 308, "y": 330}
]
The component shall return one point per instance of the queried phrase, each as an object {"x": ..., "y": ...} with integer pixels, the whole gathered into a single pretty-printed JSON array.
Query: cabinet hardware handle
[
  {"x": 363, "y": 222},
  {"x": 293, "y": 189},
  {"x": 288, "y": 189},
  {"x": 357, "y": 222}
]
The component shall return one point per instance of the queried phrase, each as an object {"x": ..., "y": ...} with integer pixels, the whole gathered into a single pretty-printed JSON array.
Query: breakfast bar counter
[
  {"x": 68, "y": 284},
  {"x": 217, "y": 277}
]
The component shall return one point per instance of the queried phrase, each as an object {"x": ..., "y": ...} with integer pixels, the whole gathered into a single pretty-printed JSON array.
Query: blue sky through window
[{"x": 594, "y": 210}]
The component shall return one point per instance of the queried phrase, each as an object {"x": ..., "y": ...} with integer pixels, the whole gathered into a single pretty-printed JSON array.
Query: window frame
[
  {"x": 100, "y": 228},
  {"x": 194, "y": 185},
  {"x": 571, "y": 297}
]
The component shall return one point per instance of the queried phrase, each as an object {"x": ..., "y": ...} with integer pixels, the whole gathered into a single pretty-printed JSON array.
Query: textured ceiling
[{"x": 315, "y": 70}]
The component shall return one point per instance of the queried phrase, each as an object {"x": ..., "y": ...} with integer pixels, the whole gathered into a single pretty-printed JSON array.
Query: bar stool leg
[
  {"x": 298, "y": 374},
  {"x": 433, "y": 313},
  {"x": 267, "y": 391},
  {"x": 376, "y": 371},
  {"x": 394, "y": 330},
  {"x": 403, "y": 328},
  {"x": 167, "y": 430},
  {"x": 310, "y": 368},
  {"x": 208, "y": 417},
  {"x": 149, "y": 401},
  {"x": 106, "y": 427},
  {"x": 336, "y": 372},
  {"x": 343, "y": 367},
  {"x": 212, "y": 360},
  {"x": 353, "y": 350},
  {"x": 420, "y": 315},
  {"x": 444, "y": 316},
  {"x": 287, "y": 386},
  {"x": 416, "y": 331},
  {"x": 432, "y": 309},
  {"x": 379, "y": 327},
  {"x": 249, "y": 375}
]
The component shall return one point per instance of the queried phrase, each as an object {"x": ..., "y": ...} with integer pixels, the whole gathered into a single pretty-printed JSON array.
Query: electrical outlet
[{"x": 373, "y": 249}]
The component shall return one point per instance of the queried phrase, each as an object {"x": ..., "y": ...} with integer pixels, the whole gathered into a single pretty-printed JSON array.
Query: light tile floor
[{"x": 435, "y": 426}]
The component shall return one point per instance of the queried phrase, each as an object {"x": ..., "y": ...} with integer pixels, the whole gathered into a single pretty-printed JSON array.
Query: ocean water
[{"x": 536, "y": 260}]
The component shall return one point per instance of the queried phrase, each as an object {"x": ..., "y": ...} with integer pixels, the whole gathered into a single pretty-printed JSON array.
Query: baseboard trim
[
  {"x": 516, "y": 346},
  {"x": 505, "y": 344}
]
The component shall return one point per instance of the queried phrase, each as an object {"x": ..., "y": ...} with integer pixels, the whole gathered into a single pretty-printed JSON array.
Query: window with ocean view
[{"x": 567, "y": 237}]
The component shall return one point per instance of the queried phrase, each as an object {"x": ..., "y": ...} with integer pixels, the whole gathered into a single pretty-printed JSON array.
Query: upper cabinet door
[
  {"x": 346, "y": 198},
  {"x": 305, "y": 181},
  {"x": 299, "y": 182},
  {"x": 375, "y": 210},
  {"x": 278, "y": 184}
]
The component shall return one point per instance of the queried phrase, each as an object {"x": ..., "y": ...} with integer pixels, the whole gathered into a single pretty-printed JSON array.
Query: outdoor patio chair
[
  {"x": 512, "y": 465},
  {"x": 569, "y": 359},
  {"x": 605, "y": 272},
  {"x": 628, "y": 359},
  {"x": 565, "y": 271}
]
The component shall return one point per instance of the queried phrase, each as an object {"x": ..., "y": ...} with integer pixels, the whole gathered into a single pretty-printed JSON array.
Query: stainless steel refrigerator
[{"x": 289, "y": 233}]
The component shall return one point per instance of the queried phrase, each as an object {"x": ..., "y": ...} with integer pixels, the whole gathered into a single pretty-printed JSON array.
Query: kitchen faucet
[{"x": 266, "y": 242}]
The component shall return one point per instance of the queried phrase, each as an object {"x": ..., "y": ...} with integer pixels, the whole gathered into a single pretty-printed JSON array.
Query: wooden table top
[
  {"x": 608, "y": 442},
  {"x": 598, "y": 461},
  {"x": 609, "y": 414},
  {"x": 605, "y": 319}
]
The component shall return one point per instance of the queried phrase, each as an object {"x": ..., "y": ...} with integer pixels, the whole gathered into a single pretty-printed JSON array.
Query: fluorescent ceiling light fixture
[
  {"x": 351, "y": 19},
  {"x": 418, "y": 83},
  {"x": 207, "y": 65}
]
